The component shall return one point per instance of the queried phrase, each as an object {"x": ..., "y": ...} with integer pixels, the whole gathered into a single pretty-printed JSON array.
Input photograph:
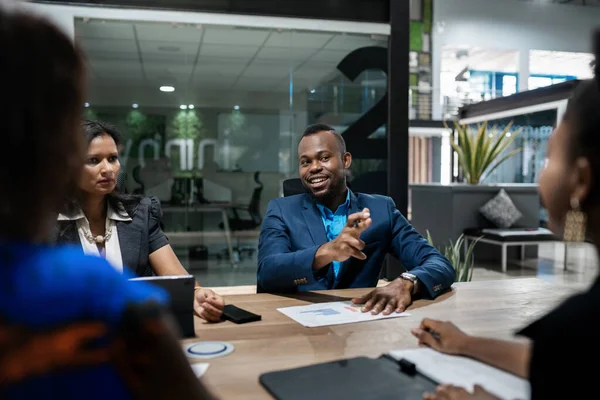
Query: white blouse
[{"x": 112, "y": 249}]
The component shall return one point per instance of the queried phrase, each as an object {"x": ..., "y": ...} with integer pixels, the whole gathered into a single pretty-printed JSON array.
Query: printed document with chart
[{"x": 334, "y": 313}]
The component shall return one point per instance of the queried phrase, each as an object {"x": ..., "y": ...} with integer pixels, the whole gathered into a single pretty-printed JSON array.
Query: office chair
[
  {"x": 122, "y": 181},
  {"x": 237, "y": 223},
  {"x": 137, "y": 178},
  {"x": 293, "y": 186}
]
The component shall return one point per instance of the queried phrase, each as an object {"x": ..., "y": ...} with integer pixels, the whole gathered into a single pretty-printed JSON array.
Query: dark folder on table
[{"x": 352, "y": 379}]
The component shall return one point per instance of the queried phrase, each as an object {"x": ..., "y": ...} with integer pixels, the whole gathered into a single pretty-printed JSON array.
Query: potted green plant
[
  {"x": 452, "y": 251},
  {"x": 479, "y": 151},
  {"x": 447, "y": 210}
]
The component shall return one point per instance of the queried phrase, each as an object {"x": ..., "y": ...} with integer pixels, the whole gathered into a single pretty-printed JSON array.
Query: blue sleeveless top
[{"x": 58, "y": 296}]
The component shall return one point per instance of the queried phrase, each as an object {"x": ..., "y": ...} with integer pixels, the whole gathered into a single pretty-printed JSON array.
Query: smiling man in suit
[{"x": 332, "y": 238}]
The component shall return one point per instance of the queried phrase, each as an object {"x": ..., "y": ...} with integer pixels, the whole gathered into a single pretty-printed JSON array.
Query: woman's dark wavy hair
[
  {"x": 92, "y": 130},
  {"x": 583, "y": 117},
  {"x": 43, "y": 92}
]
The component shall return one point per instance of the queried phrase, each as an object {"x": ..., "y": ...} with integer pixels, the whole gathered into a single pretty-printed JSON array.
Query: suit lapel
[
  {"x": 354, "y": 206},
  {"x": 314, "y": 222},
  {"x": 129, "y": 241},
  {"x": 345, "y": 274}
]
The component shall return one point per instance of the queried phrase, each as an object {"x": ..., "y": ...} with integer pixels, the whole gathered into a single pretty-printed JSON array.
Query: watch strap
[{"x": 412, "y": 278}]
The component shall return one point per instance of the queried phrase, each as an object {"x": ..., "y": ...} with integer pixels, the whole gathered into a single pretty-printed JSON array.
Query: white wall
[{"x": 510, "y": 24}]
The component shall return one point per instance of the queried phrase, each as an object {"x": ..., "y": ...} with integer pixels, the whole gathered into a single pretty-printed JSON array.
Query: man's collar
[{"x": 345, "y": 204}]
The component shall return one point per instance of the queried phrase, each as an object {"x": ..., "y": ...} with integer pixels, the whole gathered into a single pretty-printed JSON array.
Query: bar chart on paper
[{"x": 334, "y": 313}]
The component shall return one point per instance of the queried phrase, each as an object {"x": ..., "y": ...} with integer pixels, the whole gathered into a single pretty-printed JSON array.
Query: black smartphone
[{"x": 238, "y": 315}]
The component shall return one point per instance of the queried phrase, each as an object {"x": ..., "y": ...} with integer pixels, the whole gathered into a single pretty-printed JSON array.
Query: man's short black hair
[{"x": 316, "y": 128}]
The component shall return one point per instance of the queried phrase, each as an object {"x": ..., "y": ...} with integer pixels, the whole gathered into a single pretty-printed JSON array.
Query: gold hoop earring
[{"x": 575, "y": 223}]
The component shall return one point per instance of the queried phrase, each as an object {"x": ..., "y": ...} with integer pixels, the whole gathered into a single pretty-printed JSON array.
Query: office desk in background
[
  {"x": 220, "y": 208},
  {"x": 488, "y": 308}
]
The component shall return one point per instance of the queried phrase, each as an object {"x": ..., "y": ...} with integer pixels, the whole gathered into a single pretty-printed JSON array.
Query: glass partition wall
[
  {"x": 533, "y": 130},
  {"x": 211, "y": 116}
]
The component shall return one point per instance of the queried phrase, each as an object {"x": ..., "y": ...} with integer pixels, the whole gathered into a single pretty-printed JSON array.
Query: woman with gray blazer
[{"x": 123, "y": 229}]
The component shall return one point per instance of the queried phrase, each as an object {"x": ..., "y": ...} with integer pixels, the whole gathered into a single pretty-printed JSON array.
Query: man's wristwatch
[{"x": 413, "y": 278}]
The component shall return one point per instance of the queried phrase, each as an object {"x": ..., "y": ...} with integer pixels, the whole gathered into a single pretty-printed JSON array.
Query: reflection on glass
[
  {"x": 551, "y": 67},
  {"x": 526, "y": 166},
  {"x": 215, "y": 105},
  {"x": 471, "y": 74}
]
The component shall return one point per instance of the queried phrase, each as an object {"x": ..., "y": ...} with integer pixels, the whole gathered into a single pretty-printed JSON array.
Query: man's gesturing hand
[{"x": 347, "y": 244}]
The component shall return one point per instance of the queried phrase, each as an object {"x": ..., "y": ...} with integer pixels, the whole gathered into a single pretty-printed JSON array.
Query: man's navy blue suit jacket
[{"x": 293, "y": 230}]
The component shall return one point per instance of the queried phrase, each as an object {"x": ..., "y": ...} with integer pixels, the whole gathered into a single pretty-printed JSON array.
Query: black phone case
[{"x": 239, "y": 315}]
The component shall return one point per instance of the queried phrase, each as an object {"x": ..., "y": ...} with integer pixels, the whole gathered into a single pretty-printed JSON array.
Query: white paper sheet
[
  {"x": 200, "y": 368},
  {"x": 465, "y": 372},
  {"x": 334, "y": 313}
]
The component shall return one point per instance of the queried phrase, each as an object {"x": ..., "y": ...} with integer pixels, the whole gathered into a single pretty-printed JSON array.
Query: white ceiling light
[
  {"x": 236, "y": 107},
  {"x": 313, "y": 90},
  {"x": 135, "y": 105},
  {"x": 191, "y": 106},
  {"x": 167, "y": 89},
  {"x": 183, "y": 107},
  {"x": 86, "y": 105}
]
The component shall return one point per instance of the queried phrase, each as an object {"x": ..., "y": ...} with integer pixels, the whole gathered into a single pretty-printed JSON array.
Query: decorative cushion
[{"x": 501, "y": 210}]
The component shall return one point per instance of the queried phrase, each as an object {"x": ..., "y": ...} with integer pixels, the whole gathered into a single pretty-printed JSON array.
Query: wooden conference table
[{"x": 489, "y": 308}]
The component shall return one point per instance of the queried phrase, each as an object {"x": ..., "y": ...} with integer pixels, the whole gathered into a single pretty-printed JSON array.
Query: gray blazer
[{"x": 138, "y": 238}]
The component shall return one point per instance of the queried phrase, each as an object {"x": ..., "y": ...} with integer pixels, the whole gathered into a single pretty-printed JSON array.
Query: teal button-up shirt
[{"x": 334, "y": 223}]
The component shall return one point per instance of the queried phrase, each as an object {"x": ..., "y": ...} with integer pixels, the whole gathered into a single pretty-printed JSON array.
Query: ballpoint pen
[{"x": 433, "y": 333}]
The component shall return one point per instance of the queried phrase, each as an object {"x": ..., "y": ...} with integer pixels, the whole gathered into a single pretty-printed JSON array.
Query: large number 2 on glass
[{"x": 357, "y": 134}]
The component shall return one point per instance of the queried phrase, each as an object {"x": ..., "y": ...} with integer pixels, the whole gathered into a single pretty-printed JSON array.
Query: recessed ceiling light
[
  {"x": 183, "y": 107},
  {"x": 167, "y": 89},
  {"x": 135, "y": 105},
  {"x": 236, "y": 107},
  {"x": 86, "y": 105},
  {"x": 191, "y": 106},
  {"x": 313, "y": 90}
]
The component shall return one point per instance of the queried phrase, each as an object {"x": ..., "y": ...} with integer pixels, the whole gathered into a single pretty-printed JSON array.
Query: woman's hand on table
[
  {"x": 208, "y": 305},
  {"x": 450, "y": 392},
  {"x": 441, "y": 336}
]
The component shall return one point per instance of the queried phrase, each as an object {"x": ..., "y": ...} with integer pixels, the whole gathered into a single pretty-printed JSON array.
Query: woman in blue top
[{"x": 70, "y": 325}]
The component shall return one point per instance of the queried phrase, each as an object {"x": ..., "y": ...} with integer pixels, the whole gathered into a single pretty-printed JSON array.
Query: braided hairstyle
[{"x": 583, "y": 116}]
